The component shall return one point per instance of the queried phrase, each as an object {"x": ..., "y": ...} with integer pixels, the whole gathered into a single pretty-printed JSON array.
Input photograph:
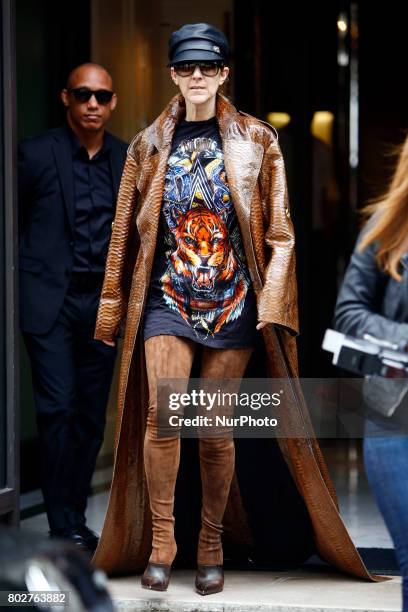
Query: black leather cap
[{"x": 198, "y": 42}]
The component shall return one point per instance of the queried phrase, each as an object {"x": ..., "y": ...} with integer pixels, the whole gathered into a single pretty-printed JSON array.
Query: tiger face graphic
[
  {"x": 203, "y": 251},
  {"x": 203, "y": 280}
]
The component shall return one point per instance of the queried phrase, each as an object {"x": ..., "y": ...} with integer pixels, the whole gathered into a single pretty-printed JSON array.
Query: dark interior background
[{"x": 287, "y": 61}]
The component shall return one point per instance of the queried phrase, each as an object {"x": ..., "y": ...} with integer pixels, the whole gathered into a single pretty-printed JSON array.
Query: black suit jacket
[{"x": 46, "y": 223}]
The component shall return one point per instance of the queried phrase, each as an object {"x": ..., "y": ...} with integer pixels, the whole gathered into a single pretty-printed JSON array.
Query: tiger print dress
[{"x": 200, "y": 285}]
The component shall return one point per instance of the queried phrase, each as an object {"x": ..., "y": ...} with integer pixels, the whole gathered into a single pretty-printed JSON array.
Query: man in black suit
[{"x": 68, "y": 182}]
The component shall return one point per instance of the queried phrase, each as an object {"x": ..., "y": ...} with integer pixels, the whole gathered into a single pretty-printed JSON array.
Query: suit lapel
[
  {"x": 63, "y": 159},
  {"x": 116, "y": 163}
]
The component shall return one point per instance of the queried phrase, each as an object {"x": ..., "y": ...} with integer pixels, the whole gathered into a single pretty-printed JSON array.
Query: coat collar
[{"x": 165, "y": 124}]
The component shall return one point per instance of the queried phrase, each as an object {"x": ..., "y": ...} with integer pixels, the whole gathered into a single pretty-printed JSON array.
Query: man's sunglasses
[
  {"x": 83, "y": 94},
  {"x": 209, "y": 69}
]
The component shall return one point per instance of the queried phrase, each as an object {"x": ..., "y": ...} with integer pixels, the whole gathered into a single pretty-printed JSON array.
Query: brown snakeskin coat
[{"x": 256, "y": 178}]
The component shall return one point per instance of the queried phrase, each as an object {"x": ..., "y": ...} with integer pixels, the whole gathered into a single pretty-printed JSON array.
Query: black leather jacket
[{"x": 371, "y": 301}]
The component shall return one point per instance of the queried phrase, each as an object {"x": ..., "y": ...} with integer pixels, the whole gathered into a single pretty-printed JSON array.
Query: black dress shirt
[{"x": 94, "y": 206}]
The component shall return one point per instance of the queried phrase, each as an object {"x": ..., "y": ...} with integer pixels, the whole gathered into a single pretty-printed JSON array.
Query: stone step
[{"x": 256, "y": 591}]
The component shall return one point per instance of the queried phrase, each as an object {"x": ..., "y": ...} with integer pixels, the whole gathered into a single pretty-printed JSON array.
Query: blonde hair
[{"x": 390, "y": 219}]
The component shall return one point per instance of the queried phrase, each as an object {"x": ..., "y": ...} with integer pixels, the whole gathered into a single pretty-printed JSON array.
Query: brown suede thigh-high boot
[
  {"x": 217, "y": 459},
  {"x": 217, "y": 463},
  {"x": 166, "y": 357}
]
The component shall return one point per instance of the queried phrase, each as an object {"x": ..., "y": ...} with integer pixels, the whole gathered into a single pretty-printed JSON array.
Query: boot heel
[
  {"x": 209, "y": 579},
  {"x": 156, "y": 576}
]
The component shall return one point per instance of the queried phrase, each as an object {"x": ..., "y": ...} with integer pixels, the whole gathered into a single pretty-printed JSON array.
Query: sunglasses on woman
[
  {"x": 209, "y": 69},
  {"x": 83, "y": 94}
]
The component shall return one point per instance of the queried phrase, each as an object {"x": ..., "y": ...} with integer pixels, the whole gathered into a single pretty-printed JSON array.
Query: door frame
[{"x": 9, "y": 495}]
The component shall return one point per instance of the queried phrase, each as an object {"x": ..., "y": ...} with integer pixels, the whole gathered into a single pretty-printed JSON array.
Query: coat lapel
[
  {"x": 242, "y": 164},
  {"x": 243, "y": 161},
  {"x": 151, "y": 179},
  {"x": 148, "y": 218},
  {"x": 63, "y": 159}
]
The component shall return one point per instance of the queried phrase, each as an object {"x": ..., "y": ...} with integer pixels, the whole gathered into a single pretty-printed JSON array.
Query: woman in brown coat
[{"x": 201, "y": 255}]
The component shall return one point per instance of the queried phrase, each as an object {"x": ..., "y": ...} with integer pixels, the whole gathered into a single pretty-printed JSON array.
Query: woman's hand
[
  {"x": 109, "y": 342},
  {"x": 261, "y": 324}
]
